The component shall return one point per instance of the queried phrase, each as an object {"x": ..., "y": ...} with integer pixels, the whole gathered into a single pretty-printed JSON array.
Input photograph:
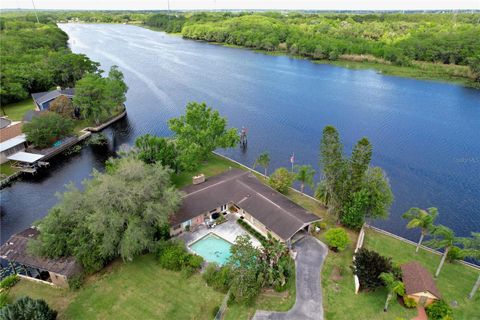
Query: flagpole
[{"x": 292, "y": 159}]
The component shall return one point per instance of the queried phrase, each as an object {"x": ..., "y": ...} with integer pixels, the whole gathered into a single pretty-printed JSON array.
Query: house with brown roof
[
  {"x": 267, "y": 210},
  {"x": 419, "y": 283},
  {"x": 55, "y": 271}
]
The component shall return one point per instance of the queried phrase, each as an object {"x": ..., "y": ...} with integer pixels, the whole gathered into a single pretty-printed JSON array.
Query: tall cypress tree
[
  {"x": 358, "y": 164},
  {"x": 333, "y": 166}
]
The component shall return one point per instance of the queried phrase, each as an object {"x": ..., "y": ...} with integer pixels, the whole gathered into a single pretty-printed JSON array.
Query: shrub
[
  {"x": 322, "y": 225},
  {"x": 281, "y": 180},
  {"x": 47, "y": 128},
  {"x": 76, "y": 281},
  {"x": 195, "y": 261},
  {"x": 337, "y": 239},
  {"x": 252, "y": 231},
  {"x": 439, "y": 310},
  {"x": 409, "y": 302},
  {"x": 27, "y": 308},
  {"x": 63, "y": 106},
  {"x": 172, "y": 256},
  {"x": 3, "y": 299},
  {"x": 9, "y": 281},
  {"x": 217, "y": 278},
  {"x": 368, "y": 266}
]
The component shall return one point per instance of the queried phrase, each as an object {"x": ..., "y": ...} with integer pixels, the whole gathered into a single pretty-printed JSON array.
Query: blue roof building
[{"x": 43, "y": 99}]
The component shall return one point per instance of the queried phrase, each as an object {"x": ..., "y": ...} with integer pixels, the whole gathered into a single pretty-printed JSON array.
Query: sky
[{"x": 244, "y": 4}]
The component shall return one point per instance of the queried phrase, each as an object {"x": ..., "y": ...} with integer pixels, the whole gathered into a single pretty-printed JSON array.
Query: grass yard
[
  {"x": 6, "y": 169},
  {"x": 339, "y": 299},
  {"x": 267, "y": 300},
  {"x": 213, "y": 166},
  {"x": 16, "y": 111},
  {"x": 340, "y": 302},
  {"x": 454, "y": 282},
  {"x": 133, "y": 290}
]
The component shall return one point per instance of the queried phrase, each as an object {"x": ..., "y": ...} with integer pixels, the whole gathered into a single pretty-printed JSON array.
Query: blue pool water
[{"x": 212, "y": 248}]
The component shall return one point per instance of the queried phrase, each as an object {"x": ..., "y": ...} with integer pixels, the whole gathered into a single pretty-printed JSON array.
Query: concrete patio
[{"x": 228, "y": 230}]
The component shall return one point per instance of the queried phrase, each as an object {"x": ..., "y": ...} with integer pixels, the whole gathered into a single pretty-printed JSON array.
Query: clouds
[{"x": 244, "y": 4}]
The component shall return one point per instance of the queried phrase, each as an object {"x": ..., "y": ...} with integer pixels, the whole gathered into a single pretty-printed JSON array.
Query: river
[{"x": 426, "y": 135}]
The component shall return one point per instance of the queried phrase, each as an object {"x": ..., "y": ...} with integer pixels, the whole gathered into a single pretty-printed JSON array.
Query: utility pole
[{"x": 35, "y": 10}]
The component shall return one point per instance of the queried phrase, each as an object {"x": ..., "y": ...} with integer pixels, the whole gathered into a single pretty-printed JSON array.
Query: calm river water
[{"x": 426, "y": 135}]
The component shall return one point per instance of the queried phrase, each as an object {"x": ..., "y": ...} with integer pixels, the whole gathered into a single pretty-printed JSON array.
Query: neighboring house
[
  {"x": 42, "y": 100},
  {"x": 265, "y": 209},
  {"x": 55, "y": 271},
  {"x": 11, "y": 139},
  {"x": 419, "y": 283}
]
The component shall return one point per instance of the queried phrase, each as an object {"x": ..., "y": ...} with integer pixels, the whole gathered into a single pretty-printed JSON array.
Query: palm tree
[
  {"x": 471, "y": 248},
  {"x": 395, "y": 287},
  {"x": 443, "y": 238},
  {"x": 422, "y": 219},
  {"x": 263, "y": 160},
  {"x": 305, "y": 176}
]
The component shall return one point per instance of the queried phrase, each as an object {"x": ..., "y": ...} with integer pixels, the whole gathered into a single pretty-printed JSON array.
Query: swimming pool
[{"x": 212, "y": 248}]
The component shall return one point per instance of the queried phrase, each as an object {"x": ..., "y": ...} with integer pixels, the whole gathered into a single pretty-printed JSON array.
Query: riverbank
[{"x": 419, "y": 70}]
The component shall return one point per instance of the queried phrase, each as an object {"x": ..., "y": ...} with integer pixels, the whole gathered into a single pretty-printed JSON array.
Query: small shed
[
  {"x": 56, "y": 271},
  {"x": 419, "y": 283}
]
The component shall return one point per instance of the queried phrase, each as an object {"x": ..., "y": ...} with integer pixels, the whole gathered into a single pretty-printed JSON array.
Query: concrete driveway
[{"x": 308, "y": 304}]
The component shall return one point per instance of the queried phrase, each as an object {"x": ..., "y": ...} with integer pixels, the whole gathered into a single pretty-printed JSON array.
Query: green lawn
[
  {"x": 16, "y": 111},
  {"x": 267, "y": 300},
  {"x": 454, "y": 282},
  {"x": 132, "y": 290},
  {"x": 339, "y": 299},
  {"x": 6, "y": 169},
  {"x": 213, "y": 166}
]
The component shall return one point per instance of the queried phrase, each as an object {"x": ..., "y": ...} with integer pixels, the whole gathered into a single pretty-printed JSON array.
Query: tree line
[{"x": 35, "y": 57}]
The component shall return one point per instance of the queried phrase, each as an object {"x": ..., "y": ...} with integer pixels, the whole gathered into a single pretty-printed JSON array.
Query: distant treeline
[
  {"x": 447, "y": 44},
  {"x": 398, "y": 39},
  {"x": 35, "y": 57}
]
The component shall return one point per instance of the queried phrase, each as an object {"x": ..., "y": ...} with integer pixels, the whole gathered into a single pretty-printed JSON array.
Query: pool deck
[{"x": 228, "y": 230}]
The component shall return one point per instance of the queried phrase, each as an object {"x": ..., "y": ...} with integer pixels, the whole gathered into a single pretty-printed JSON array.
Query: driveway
[{"x": 308, "y": 304}]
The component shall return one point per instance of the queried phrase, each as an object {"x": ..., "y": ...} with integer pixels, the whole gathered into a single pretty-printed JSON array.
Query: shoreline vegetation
[
  {"x": 419, "y": 70},
  {"x": 104, "y": 290}
]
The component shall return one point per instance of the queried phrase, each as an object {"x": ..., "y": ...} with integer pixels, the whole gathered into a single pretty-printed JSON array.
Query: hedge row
[{"x": 253, "y": 232}]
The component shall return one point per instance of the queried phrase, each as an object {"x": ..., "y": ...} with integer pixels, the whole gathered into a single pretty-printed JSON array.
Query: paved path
[{"x": 308, "y": 304}]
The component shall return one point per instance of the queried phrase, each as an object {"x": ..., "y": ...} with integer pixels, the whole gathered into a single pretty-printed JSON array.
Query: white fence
[{"x": 361, "y": 236}]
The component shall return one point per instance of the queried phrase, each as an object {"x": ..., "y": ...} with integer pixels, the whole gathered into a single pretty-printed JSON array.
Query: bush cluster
[
  {"x": 409, "y": 302},
  {"x": 368, "y": 266},
  {"x": 172, "y": 255},
  {"x": 281, "y": 180},
  {"x": 9, "y": 281},
  {"x": 3, "y": 299},
  {"x": 439, "y": 310},
  {"x": 252, "y": 231},
  {"x": 217, "y": 277},
  {"x": 28, "y": 308},
  {"x": 337, "y": 239}
]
